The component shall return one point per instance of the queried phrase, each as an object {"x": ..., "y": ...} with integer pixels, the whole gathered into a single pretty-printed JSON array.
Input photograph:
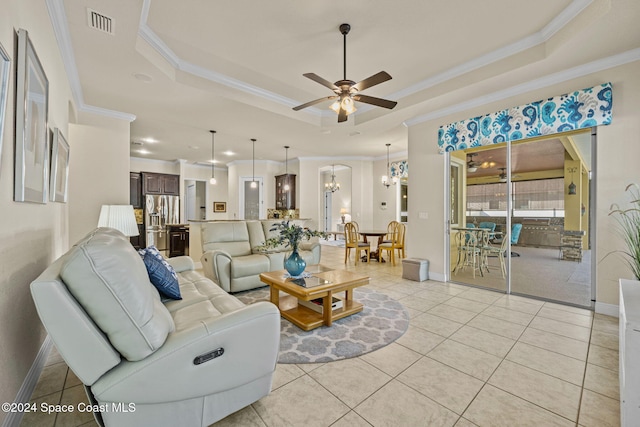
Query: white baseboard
[
  {"x": 438, "y": 277},
  {"x": 29, "y": 383},
  {"x": 607, "y": 309}
]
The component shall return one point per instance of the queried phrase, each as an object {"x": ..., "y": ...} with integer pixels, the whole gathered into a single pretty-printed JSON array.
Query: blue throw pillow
[{"x": 161, "y": 274}]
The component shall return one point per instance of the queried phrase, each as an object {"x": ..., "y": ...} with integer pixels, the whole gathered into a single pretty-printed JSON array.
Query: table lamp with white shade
[
  {"x": 120, "y": 217},
  {"x": 343, "y": 212}
]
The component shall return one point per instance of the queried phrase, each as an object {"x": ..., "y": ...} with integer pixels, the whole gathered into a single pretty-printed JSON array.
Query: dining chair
[
  {"x": 352, "y": 242},
  {"x": 400, "y": 243},
  {"x": 390, "y": 227},
  {"x": 397, "y": 236},
  {"x": 469, "y": 251},
  {"x": 491, "y": 226},
  {"x": 357, "y": 229}
]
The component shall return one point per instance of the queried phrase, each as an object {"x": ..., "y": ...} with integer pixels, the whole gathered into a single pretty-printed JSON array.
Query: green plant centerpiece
[
  {"x": 629, "y": 221},
  {"x": 290, "y": 235}
]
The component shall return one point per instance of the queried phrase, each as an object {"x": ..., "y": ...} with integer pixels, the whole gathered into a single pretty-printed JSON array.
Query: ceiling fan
[
  {"x": 471, "y": 165},
  {"x": 503, "y": 175},
  {"x": 348, "y": 91}
]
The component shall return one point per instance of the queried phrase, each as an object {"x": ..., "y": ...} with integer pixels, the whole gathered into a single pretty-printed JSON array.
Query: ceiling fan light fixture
[
  {"x": 472, "y": 169},
  {"x": 346, "y": 92}
]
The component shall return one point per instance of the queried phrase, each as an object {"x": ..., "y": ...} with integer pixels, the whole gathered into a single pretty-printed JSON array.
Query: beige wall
[
  {"x": 33, "y": 235},
  {"x": 310, "y": 199},
  {"x": 214, "y": 193},
  {"x": 93, "y": 182},
  {"x": 617, "y": 154}
]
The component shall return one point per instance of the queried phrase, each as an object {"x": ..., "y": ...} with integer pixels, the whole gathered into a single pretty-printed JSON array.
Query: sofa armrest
[
  {"x": 181, "y": 263},
  {"x": 314, "y": 247},
  {"x": 217, "y": 267},
  {"x": 308, "y": 245},
  {"x": 249, "y": 336}
]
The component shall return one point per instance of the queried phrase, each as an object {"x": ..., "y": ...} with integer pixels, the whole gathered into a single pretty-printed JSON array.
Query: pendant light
[
  {"x": 286, "y": 167},
  {"x": 254, "y": 184},
  {"x": 212, "y": 181},
  {"x": 385, "y": 178},
  {"x": 572, "y": 186},
  {"x": 332, "y": 186}
]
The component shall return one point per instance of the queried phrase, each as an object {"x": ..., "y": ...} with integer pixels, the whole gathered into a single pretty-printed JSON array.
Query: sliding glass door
[
  {"x": 478, "y": 229},
  {"x": 520, "y": 217}
]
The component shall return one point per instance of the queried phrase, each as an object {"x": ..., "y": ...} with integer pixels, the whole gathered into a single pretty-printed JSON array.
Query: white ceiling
[{"x": 236, "y": 66}]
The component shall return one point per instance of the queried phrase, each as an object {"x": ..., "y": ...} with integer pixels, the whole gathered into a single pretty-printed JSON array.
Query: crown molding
[
  {"x": 521, "y": 45},
  {"x": 61, "y": 31},
  {"x": 542, "y": 82},
  {"x": 557, "y": 23}
]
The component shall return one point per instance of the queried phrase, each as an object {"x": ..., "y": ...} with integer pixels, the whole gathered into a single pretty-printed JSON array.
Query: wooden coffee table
[{"x": 325, "y": 284}]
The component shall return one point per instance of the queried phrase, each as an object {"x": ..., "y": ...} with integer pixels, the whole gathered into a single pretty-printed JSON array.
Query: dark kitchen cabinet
[
  {"x": 135, "y": 190},
  {"x": 286, "y": 199},
  {"x": 178, "y": 240},
  {"x": 138, "y": 241},
  {"x": 160, "y": 183}
]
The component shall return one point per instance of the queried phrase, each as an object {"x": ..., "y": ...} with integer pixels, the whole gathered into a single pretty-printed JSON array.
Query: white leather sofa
[
  {"x": 186, "y": 362},
  {"x": 232, "y": 257}
]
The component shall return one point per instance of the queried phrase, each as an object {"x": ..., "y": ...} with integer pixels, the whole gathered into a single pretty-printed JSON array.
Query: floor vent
[{"x": 100, "y": 22}]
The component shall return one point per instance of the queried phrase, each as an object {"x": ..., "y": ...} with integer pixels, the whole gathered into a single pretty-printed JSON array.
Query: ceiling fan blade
[
  {"x": 314, "y": 102},
  {"x": 379, "y": 102},
  {"x": 376, "y": 79},
  {"x": 342, "y": 115},
  {"x": 323, "y": 82}
]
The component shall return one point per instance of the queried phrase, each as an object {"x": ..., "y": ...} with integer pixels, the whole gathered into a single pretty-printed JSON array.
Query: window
[{"x": 543, "y": 198}]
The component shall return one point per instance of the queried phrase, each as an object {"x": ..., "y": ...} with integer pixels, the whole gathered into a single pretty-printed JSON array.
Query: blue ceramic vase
[{"x": 295, "y": 264}]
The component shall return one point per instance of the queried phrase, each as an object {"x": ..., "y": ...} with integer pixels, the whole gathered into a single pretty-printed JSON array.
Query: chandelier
[
  {"x": 385, "y": 178},
  {"x": 332, "y": 186}
]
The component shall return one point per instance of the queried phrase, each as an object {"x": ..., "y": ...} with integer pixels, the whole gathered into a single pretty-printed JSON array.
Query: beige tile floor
[{"x": 469, "y": 358}]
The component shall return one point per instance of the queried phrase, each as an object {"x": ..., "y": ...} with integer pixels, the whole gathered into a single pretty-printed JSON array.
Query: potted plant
[
  {"x": 629, "y": 222},
  {"x": 291, "y": 235}
]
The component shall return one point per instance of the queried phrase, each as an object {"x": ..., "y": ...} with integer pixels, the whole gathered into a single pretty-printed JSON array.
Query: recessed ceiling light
[
  {"x": 149, "y": 140},
  {"x": 228, "y": 153},
  {"x": 143, "y": 77},
  {"x": 143, "y": 151}
]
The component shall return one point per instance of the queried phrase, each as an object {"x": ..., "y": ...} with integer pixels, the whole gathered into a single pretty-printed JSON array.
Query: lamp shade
[{"x": 120, "y": 217}]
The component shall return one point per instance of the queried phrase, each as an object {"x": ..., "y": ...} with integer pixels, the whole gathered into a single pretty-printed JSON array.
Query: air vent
[
  {"x": 139, "y": 143},
  {"x": 100, "y": 22}
]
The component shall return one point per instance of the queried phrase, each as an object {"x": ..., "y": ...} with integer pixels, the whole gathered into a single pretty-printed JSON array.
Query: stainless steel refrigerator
[{"x": 160, "y": 210}]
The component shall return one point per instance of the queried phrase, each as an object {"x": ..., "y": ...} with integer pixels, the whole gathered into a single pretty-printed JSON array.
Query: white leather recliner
[
  {"x": 232, "y": 254},
  {"x": 186, "y": 362}
]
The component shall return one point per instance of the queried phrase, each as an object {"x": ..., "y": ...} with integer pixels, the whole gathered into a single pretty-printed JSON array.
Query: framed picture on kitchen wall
[
  {"x": 5, "y": 66},
  {"x": 219, "y": 206},
  {"x": 59, "y": 168},
  {"x": 32, "y": 142}
]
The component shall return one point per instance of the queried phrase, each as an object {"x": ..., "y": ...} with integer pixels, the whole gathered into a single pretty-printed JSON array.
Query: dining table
[{"x": 377, "y": 254}]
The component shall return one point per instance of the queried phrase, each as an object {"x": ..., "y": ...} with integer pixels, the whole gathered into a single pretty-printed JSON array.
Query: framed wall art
[
  {"x": 59, "y": 168},
  {"x": 32, "y": 143},
  {"x": 219, "y": 206},
  {"x": 5, "y": 66}
]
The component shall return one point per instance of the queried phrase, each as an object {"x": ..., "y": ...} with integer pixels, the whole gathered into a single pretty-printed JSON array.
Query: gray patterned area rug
[{"x": 382, "y": 321}]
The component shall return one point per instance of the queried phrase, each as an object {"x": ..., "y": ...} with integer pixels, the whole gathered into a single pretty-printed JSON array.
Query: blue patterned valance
[
  {"x": 576, "y": 110},
  {"x": 400, "y": 169}
]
